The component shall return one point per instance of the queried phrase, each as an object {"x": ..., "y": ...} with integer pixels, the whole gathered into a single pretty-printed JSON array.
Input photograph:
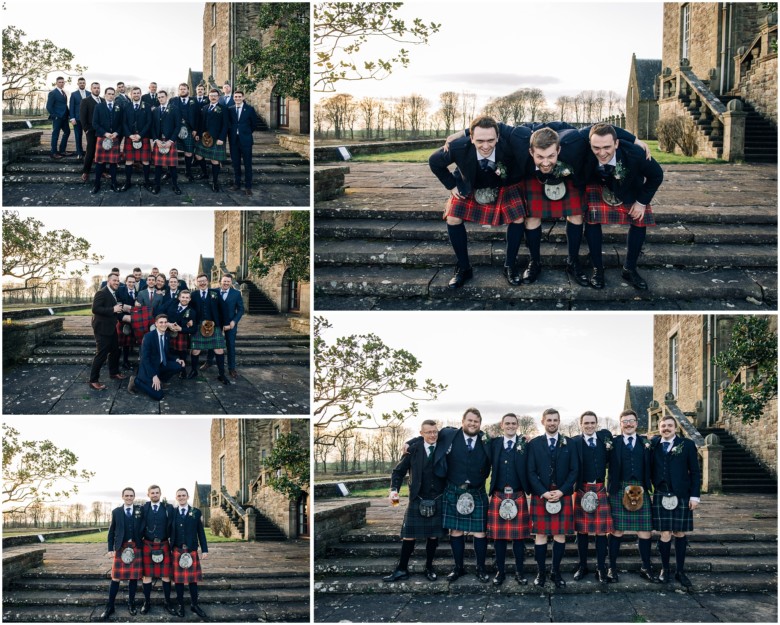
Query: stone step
[
  {"x": 260, "y": 178},
  {"x": 245, "y": 361},
  {"x": 267, "y": 350},
  {"x": 215, "y": 582},
  {"x": 42, "y": 163},
  {"x": 241, "y": 340}
]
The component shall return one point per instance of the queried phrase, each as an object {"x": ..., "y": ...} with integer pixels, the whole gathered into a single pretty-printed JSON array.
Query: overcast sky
[{"x": 493, "y": 48}]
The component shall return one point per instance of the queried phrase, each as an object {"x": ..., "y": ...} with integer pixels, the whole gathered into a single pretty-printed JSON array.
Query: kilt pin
[
  {"x": 600, "y": 520},
  {"x": 537, "y": 204},
  {"x": 508, "y": 207}
]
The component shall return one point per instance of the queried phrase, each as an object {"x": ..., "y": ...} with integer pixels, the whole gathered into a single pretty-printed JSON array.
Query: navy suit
[
  {"x": 116, "y": 531},
  {"x": 241, "y": 141},
  {"x": 214, "y": 122},
  {"x": 212, "y": 308},
  {"x": 166, "y": 125},
  {"x": 150, "y": 101},
  {"x": 57, "y": 107},
  {"x": 598, "y": 471},
  {"x": 189, "y": 112},
  {"x": 414, "y": 463},
  {"x": 234, "y": 310},
  {"x": 188, "y": 530},
  {"x": 678, "y": 472},
  {"x": 443, "y": 468},
  {"x": 163, "y": 532},
  {"x": 516, "y": 475},
  {"x": 642, "y": 179},
  {"x": 616, "y": 464},
  {"x": 181, "y": 318},
  {"x": 74, "y": 109},
  {"x": 152, "y": 364},
  {"x": 543, "y": 472},
  {"x": 107, "y": 121},
  {"x": 138, "y": 122}
]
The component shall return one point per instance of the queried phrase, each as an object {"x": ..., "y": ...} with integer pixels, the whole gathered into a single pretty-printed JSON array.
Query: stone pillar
[
  {"x": 712, "y": 465},
  {"x": 734, "y": 132},
  {"x": 250, "y": 521}
]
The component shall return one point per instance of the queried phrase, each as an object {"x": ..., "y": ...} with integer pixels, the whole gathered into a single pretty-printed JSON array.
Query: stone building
[
  {"x": 224, "y": 24},
  {"x": 238, "y": 448},
  {"x": 719, "y": 67},
  {"x": 201, "y": 499},
  {"x": 642, "y": 98},
  {"x": 638, "y": 399},
  {"x": 684, "y": 346}
]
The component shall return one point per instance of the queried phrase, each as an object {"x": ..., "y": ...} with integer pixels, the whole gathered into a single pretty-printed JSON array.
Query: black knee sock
[
  {"x": 430, "y": 551},
  {"x": 193, "y": 593},
  {"x": 614, "y": 550},
  {"x": 573, "y": 240},
  {"x": 458, "y": 546},
  {"x": 112, "y": 172},
  {"x": 125, "y": 354},
  {"x": 582, "y": 548},
  {"x": 680, "y": 546},
  {"x": 644, "y": 551},
  {"x": 113, "y": 589},
  {"x": 634, "y": 242},
  {"x": 499, "y": 546},
  {"x": 147, "y": 588},
  {"x": 132, "y": 587},
  {"x": 180, "y": 594},
  {"x": 147, "y": 171},
  {"x": 220, "y": 358},
  {"x": 194, "y": 360},
  {"x": 665, "y": 549},
  {"x": 558, "y": 549},
  {"x": 601, "y": 552},
  {"x": 215, "y": 173},
  {"x": 514, "y": 236},
  {"x": 166, "y": 591},
  {"x": 188, "y": 165},
  {"x": 128, "y": 173},
  {"x": 407, "y": 548},
  {"x": 540, "y": 555},
  {"x": 174, "y": 174},
  {"x": 594, "y": 237},
  {"x": 518, "y": 549},
  {"x": 99, "y": 167},
  {"x": 533, "y": 241},
  {"x": 480, "y": 550},
  {"x": 157, "y": 175},
  {"x": 459, "y": 242},
  {"x": 203, "y": 169}
]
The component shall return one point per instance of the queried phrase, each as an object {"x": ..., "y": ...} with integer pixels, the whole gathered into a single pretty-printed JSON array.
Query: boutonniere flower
[
  {"x": 520, "y": 447},
  {"x": 607, "y": 443},
  {"x": 561, "y": 170},
  {"x": 213, "y": 295},
  {"x": 562, "y": 439},
  {"x": 621, "y": 171},
  {"x": 217, "y": 109},
  {"x": 137, "y": 513},
  {"x": 190, "y": 514},
  {"x": 676, "y": 451},
  {"x": 500, "y": 170},
  {"x": 647, "y": 445}
]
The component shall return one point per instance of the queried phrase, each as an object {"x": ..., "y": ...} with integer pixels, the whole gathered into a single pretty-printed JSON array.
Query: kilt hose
[
  {"x": 114, "y": 155},
  {"x": 157, "y": 569},
  {"x": 194, "y": 574},
  {"x": 137, "y": 155},
  {"x": 508, "y": 207},
  {"x": 542, "y": 522},
  {"x": 417, "y": 526},
  {"x": 678, "y": 520},
  {"x": 599, "y": 212},
  {"x": 134, "y": 570},
  {"x": 214, "y": 153},
  {"x": 141, "y": 321},
  {"x": 537, "y": 204},
  {"x": 509, "y": 529},
  {"x": 454, "y": 520},
  {"x": 180, "y": 342},
  {"x": 625, "y": 521},
  {"x": 600, "y": 520},
  {"x": 215, "y": 341},
  {"x": 171, "y": 159},
  {"x": 186, "y": 145},
  {"x": 125, "y": 340}
]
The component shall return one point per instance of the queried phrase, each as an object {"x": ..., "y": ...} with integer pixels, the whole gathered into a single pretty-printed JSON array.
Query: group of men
[
  {"x": 156, "y": 540},
  {"x": 123, "y": 126},
  {"x": 170, "y": 322},
  {"x": 552, "y": 485},
  {"x": 518, "y": 176}
]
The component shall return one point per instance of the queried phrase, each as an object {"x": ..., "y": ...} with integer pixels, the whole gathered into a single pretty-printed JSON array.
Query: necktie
[
  {"x": 591, "y": 442},
  {"x": 111, "y": 107},
  {"x": 162, "y": 350},
  {"x": 136, "y": 107},
  {"x": 154, "y": 507},
  {"x": 181, "y": 511},
  {"x": 162, "y": 110},
  {"x": 509, "y": 445},
  {"x": 211, "y": 108},
  {"x": 483, "y": 163},
  {"x": 154, "y": 96},
  {"x": 552, "y": 444},
  {"x": 203, "y": 294},
  {"x": 606, "y": 170},
  {"x": 132, "y": 294},
  {"x": 128, "y": 512},
  {"x": 666, "y": 446},
  {"x": 224, "y": 295},
  {"x": 238, "y": 113},
  {"x": 469, "y": 443},
  {"x": 430, "y": 450},
  {"x": 630, "y": 442},
  {"x": 181, "y": 307}
]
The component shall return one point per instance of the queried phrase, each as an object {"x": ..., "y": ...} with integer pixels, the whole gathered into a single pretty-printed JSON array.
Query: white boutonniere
[
  {"x": 520, "y": 446},
  {"x": 217, "y": 109},
  {"x": 647, "y": 445},
  {"x": 676, "y": 451},
  {"x": 561, "y": 170},
  {"x": 137, "y": 512},
  {"x": 500, "y": 170},
  {"x": 190, "y": 514},
  {"x": 621, "y": 171},
  {"x": 563, "y": 441},
  {"x": 607, "y": 443},
  {"x": 213, "y": 295}
]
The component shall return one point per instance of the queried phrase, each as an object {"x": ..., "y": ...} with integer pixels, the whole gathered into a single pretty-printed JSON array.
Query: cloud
[{"x": 495, "y": 79}]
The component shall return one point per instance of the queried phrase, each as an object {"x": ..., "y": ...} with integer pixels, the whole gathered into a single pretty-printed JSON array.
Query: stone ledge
[
  {"x": 329, "y": 489},
  {"x": 332, "y": 519},
  {"x": 17, "y": 561},
  {"x": 30, "y": 539},
  {"x": 43, "y": 311},
  {"x": 20, "y": 338},
  {"x": 329, "y": 182},
  {"x": 300, "y": 325},
  {"x": 18, "y": 142},
  {"x": 300, "y": 144},
  {"x": 331, "y": 153}
]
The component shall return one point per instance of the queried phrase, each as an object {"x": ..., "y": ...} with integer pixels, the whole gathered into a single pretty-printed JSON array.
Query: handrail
[
  {"x": 710, "y": 99},
  {"x": 232, "y": 502}
]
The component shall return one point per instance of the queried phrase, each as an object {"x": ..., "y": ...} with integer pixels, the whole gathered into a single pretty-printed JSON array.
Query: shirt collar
[
  {"x": 491, "y": 158},
  {"x": 625, "y": 437},
  {"x": 668, "y": 440},
  {"x": 510, "y": 438}
]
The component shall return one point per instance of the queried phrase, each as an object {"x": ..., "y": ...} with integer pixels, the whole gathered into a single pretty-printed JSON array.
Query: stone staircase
[
  {"x": 259, "y": 302},
  {"x": 383, "y": 246},
  {"x": 265, "y": 530},
  {"x": 741, "y": 472},
  {"x": 760, "y": 134}
]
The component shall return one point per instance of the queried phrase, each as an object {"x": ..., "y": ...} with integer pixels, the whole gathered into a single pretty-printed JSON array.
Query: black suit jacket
[
  {"x": 602, "y": 459},
  {"x": 116, "y": 530},
  {"x": 520, "y": 450},
  {"x": 616, "y": 463},
  {"x": 87, "y": 112},
  {"x": 188, "y": 530},
  {"x": 684, "y": 470},
  {"x": 138, "y": 121},
  {"x": 642, "y": 178},
  {"x": 566, "y": 465},
  {"x": 103, "y": 316},
  {"x": 444, "y": 444},
  {"x": 169, "y": 515},
  {"x": 413, "y": 463}
]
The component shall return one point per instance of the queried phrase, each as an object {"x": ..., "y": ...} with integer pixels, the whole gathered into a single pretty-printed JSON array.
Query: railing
[{"x": 763, "y": 46}]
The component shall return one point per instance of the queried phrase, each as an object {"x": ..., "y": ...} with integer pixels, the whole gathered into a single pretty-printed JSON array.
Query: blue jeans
[{"x": 59, "y": 124}]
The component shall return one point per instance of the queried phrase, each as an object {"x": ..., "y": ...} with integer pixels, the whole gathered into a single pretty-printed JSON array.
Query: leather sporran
[
  {"x": 207, "y": 140},
  {"x": 633, "y": 497},
  {"x": 427, "y": 508},
  {"x": 207, "y": 328}
]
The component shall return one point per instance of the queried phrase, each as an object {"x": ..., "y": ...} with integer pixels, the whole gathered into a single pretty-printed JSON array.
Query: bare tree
[
  {"x": 517, "y": 102},
  {"x": 337, "y": 109},
  {"x": 564, "y": 106},
  {"x": 450, "y": 102},
  {"x": 599, "y": 99},
  {"x": 368, "y": 106},
  {"x": 79, "y": 510},
  {"x": 397, "y": 435},
  {"x": 96, "y": 510},
  {"x": 570, "y": 428},
  {"x": 342, "y": 444},
  {"x": 536, "y": 103},
  {"x": 579, "y": 107},
  {"x": 382, "y": 113},
  {"x": 399, "y": 116},
  {"x": 527, "y": 425},
  {"x": 469, "y": 100},
  {"x": 418, "y": 111}
]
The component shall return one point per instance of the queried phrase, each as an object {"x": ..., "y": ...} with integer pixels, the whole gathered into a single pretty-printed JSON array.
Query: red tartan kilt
[
  {"x": 181, "y": 342},
  {"x": 157, "y": 569},
  {"x": 165, "y": 160},
  {"x": 142, "y": 319},
  {"x": 542, "y": 522},
  {"x": 144, "y": 153},
  {"x": 191, "y": 575},
  {"x": 125, "y": 340},
  {"x": 537, "y": 204},
  {"x": 514, "y": 529},
  {"x": 134, "y": 570},
  {"x": 599, "y": 212},
  {"x": 600, "y": 520},
  {"x": 114, "y": 155},
  {"x": 508, "y": 207}
]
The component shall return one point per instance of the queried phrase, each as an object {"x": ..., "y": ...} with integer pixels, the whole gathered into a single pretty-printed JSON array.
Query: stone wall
[
  {"x": 16, "y": 143},
  {"x": 329, "y": 182},
  {"x": 759, "y": 87},
  {"x": 17, "y": 563},
  {"x": 759, "y": 437},
  {"x": 296, "y": 143},
  {"x": 232, "y": 222},
  {"x": 334, "y": 520},
  {"x": 329, "y": 489},
  {"x": 330, "y": 152},
  {"x": 20, "y": 338}
]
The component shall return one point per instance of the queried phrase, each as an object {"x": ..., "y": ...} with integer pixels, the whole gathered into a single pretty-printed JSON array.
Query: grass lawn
[
  {"x": 102, "y": 537},
  {"x": 81, "y": 312}
]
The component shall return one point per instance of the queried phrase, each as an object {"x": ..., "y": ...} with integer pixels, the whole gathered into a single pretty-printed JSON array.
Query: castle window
[
  {"x": 281, "y": 111},
  {"x": 277, "y": 433},
  {"x": 685, "y": 30},
  {"x": 213, "y": 14},
  {"x": 221, "y": 428},
  {"x": 674, "y": 364},
  {"x": 224, "y": 246},
  {"x": 214, "y": 59},
  {"x": 222, "y": 470}
]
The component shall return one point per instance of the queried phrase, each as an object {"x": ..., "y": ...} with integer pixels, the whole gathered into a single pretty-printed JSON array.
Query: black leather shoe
[
  {"x": 612, "y": 576},
  {"x": 455, "y": 574},
  {"x": 532, "y": 272},
  {"x": 540, "y": 579},
  {"x": 499, "y": 578},
  {"x": 215, "y": 187},
  {"x": 166, "y": 175},
  {"x": 430, "y": 574},
  {"x": 597, "y": 278},
  {"x": 176, "y": 189},
  {"x": 482, "y": 575},
  {"x": 601, "y": 575},
  {"x": 396, "y": 575},
  {"x": 169, "y": 607},
  {"x": 634, "y": 279},
  {"x": 224, "y": 380},
  {"x": 665, "y": 576},
  {"x": 180, "y": 610},
  {"x": 683, "y": 579},
  {"x": 193, "y": 374},
  {"x": 125, "y": 187},
  {"x": 521, "y": 579},
  {"x": 460, "y": 277},
  {"x": 202, "y": 177},
  {"x": 512, "y": 277},
  {"x": 115, "y": 188},
  {"x": 575, "y": 272},
  {"x": 648, "y": 575},
  {"x": 197, "y": 609},
  {"x": 156, "y": 189},
  {"x": 146, "y": 607},
  {"x": 131, "y": 608},
  {"x": 581, "y": 572},
  {"x": 558, "y": 580},
  {"x": 95, "y": 189},
  {"x": 107, "y": 612}
]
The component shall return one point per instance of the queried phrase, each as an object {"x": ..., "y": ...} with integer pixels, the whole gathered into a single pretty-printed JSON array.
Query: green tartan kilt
[
  {"x": 214, "y": 153},
  {"x": 625, "y": 521},
  {"x": 215, "y": 341},
  {"x": 454, "y": 520},
  {"x": 186, "y": 145}
]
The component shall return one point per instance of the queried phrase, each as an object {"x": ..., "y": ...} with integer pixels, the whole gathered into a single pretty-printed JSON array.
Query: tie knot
[
  {"x": 509, "y": 444},
  {"x": 592, "y": 442}
]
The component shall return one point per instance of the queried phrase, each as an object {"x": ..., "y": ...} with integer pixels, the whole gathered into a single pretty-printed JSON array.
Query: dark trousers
[
  {"x": 90, "y": 155},
  {"x": 77, "y": 130},
  {"x": 107, "y": 348},
  {"x": 167, "y": 371},
  {"x": 240, "y": 153},
  {"x": 230, "y": 343},
  {"x": 59, "y": 125}
]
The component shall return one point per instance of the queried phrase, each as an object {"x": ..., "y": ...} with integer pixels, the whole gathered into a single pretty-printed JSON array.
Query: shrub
[
  {"x": 220, "y": 524},
  {"x": 679, "y": 131}
]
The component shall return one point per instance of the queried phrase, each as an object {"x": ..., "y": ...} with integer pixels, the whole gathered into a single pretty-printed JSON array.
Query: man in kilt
[
  {"x": 508, "y": 481},
  {"x": 210, "y": 138},
  {"x": 462, "y": 456},
  {"x": 621, "y": 185},
  {"x": 187, "y": 532},
  {"x": 424, "y": 487},
  {"x": 676, "y": 480},
  {"x": 156, "y": 532},
  {"x": 138, "y": 129},
  {"x": 108, "y": 122},
  {"x": 486, "y": 190},
  {"x": 183, "y": 318},
  {"x": 124, "y": 544},
  {"x": 593, "y": 457},
  {"x": 629, "y": 464},
  {"x": 553, "y": 468},
  {"x": 157, "y": 362},
  {"x": 190, "y": 112},
  {"x": 210, "y": 307},
  {"x": 166, "y": 122},
  {"x": 126, "y": 338}
]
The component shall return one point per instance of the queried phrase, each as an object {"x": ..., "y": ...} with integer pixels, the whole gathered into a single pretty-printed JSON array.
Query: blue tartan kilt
[
  {"x": 678, "y": 520},
  {"x": 186, "y": 145},
  {"x": 194, "y": 574},
  {"x": 626, "y": 521},
  {"x": 453, "y": 520},
  {"x": 134, "y": 570},
  {"x": 214, "y": 153},
  {"x": 215, "y": 341},
  {"x": 417, "y": 526}
]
